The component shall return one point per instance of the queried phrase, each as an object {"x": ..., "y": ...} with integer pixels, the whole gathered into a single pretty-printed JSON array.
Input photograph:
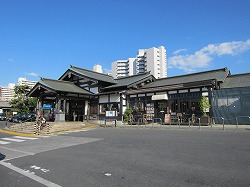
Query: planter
[{"x": 205, "y": 120}]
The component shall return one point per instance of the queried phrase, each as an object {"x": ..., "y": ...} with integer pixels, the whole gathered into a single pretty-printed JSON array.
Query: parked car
[
  {"x": 19, "y": 118},
  {"x": 31, "y": 117},
  {"x": 2, "y": 116}
]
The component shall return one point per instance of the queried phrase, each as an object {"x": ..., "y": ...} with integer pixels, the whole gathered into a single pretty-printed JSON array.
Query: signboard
[
  {"x": 47, "y": 106},
  {"x": 159, "y": 97},
  {"x": 111, "y": 113}
]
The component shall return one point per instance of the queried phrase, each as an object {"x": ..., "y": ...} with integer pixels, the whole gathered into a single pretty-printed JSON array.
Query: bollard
[
  {"x": 48, "y": 127},
  {"x": 35, "y": 128}
]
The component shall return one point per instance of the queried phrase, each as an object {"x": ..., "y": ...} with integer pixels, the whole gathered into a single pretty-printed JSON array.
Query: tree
[
  {"x": 204, "y": 105},
  {"x": 21, "y": 102},
  {"x": 127, "y": 114}
]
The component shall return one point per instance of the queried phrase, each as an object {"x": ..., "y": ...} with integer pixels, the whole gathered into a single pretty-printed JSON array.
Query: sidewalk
[{"x": 29, "y": 128}]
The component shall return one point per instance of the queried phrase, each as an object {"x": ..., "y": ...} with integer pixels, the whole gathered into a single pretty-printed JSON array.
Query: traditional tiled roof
[
  {"x": 59, "y": 86},
  {"x": 131, "y": 80},
  {"x": 218, "y": 75},
  {"x": 237, "y": 81},
  {"x": 92, "y": 74}
]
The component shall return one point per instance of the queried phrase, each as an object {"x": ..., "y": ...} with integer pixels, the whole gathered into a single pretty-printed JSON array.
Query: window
[{"x": 103, "y": 108}]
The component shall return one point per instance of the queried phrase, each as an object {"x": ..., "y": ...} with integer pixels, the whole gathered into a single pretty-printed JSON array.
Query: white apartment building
[
  {"x": 123, "y": 68},
  {"x": 7, "y": 93},
  {"x": 152, "y": 59},
  {"x": 23, "y": 81}
]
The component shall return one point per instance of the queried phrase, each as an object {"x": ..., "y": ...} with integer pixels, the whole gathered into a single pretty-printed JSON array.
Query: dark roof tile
[
  {"x": 237, "y": 81},
  {"x": 93, "y": 74},
  {"x": 219, "y": 74}
]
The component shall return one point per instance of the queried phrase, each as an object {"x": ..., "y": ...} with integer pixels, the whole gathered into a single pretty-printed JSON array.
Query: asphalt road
[
  {"x": 3, "y": 124},
  {"x": 130, "y": 157}
]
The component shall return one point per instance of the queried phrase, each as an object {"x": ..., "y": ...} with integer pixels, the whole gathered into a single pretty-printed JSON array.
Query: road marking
[
  {"x": 3, "y": 142},
  {"x": 25, "y": 138},
  {"x": 12, "y": 139},
  {"x": 108, "y": 174},
  {"x": 30, "y": 175},
  {"x": 39, "y": 168}
]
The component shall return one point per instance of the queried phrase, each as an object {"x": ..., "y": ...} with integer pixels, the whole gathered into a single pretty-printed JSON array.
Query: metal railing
[
  {"x": 195, "y": 121},
  {"x": 156, "y": 119}
]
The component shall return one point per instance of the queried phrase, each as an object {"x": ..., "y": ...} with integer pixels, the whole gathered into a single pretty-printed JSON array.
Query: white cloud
[
  {"x": 227, "y": 48},
  {"x": 32, "y": 74},
  {"x": 203, "y": 57},
  {"x": 179, "y": 51}
]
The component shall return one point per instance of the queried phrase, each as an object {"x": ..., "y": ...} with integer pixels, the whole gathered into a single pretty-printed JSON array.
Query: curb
[
  {"x": 45, "y": 134},
  {"x": 17, "y": 133}
]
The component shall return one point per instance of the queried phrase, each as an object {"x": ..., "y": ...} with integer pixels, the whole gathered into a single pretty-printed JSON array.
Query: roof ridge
[
  {"x": 55, "y": 80},
  {"x": 197, "y": 73},
  {"x": 137, "y": 75},
  {"x": 71, "y": 66},
  {"x": 234, "y": 75}
]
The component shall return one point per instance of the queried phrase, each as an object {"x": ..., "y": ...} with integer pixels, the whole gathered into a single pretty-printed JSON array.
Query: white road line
[
  {"x": 3, "y": 142},
  {"x": 30, "y": 175},
  {"x": 12, "y": 139},
  {"x": 25, "y": 138}
]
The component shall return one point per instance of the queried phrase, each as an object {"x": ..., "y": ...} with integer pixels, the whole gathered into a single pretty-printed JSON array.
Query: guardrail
[
  {"x": 156, "y": 119},
  {"x": 237, "y": 120},
  {"x": 194, "y": 121},
  {"x": 223, "y": 121}
]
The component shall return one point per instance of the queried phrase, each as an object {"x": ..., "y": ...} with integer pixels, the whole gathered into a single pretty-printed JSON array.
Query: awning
[{"x": 160, "y": 97}]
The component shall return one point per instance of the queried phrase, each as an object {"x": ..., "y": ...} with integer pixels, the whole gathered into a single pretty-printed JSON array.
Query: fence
[{"x": 193, "y": 121}]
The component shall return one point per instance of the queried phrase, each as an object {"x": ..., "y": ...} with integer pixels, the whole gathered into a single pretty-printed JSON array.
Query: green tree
[
  {"x": 127, "y": 114},
  {"x": 21, "y": 102},
  {"x": 204, "y": 105}
]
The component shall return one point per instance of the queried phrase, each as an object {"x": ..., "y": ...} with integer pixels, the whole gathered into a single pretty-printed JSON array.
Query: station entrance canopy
[{"x": 60, "y": 95}]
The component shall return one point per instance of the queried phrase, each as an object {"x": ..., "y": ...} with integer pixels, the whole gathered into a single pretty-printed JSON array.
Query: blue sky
[{"x": 44, "y": 37}]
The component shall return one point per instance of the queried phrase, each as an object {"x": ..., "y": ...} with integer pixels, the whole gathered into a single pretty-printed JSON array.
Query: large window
[{"x": 109, "y": 106}]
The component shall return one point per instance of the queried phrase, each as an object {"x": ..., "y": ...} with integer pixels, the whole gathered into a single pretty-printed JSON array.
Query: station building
[{"x": 81, "y": 94}]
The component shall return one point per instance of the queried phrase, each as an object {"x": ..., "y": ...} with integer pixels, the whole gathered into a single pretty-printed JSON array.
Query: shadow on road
[{"x": 2, "y": 156}]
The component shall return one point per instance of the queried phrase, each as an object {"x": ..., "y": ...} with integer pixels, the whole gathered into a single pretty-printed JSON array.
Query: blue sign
[{"x": 47, "y": 106}]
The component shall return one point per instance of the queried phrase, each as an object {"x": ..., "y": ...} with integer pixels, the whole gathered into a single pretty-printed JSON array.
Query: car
[
  {"x": 30, "y": 117},
  {"x": 2, "y": 116},
  {"x": 20, "y": 118}
]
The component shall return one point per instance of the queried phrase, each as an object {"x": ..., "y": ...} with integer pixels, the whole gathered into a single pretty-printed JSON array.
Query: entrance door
[
  {"x": 162, "y": 109},
  {"x": 76, "y": 108}
]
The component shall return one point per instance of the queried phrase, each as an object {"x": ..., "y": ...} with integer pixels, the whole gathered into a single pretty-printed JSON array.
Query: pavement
[{"x": 28, "y": 128}]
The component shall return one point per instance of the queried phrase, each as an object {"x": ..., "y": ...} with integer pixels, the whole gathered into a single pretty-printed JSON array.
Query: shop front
[{"x": 164, "y": 105}]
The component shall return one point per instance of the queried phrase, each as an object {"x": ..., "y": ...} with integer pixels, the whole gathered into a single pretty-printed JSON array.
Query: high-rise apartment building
[
  {"x": 23, "y": 81},
  {"x": 7, "y": 93},
  {"x": 153, "y": 60},
  {"x": 123, "y": 68}
]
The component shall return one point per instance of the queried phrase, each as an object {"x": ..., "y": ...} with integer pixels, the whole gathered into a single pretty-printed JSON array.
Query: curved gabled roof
[
  {"x": 218, "y": 74},
  {"x": 90, "y": 74},
  {"x": 131, "y": 80},
  {"x": 57, "y": 86}
]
